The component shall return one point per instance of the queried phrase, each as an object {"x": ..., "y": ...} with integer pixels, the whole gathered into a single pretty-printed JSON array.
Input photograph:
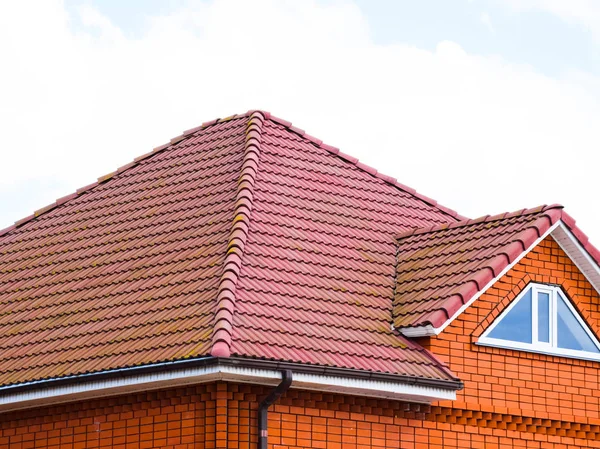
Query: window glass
[
  {"x": 543, "y": 320},
  {"x": 543, "y": 317},
  {"x": 516, "y": 325},
  {"x": 571, "y": 335}
]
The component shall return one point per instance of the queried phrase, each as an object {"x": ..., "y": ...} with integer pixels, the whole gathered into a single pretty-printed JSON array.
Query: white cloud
[
  {"x": 478, "y": 134},
  {"x": 581, "y": 12},
  {"x": 93, "y": 20},
  {"x": 487, "y": 21}
]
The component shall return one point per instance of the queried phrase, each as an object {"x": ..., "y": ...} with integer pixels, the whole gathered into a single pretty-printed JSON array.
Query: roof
[
  {"x": 243, "y": 237},
  {"x": 440, "y": 269}
]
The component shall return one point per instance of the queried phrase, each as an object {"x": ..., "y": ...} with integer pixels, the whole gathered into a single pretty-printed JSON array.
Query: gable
[
  {"x": 516, "y": 379},
  {"x": 546, "y": 264}
]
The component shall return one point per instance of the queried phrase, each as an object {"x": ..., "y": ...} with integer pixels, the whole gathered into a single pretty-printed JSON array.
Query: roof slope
[
  {"x": 440, "y": 268},
  {"x": 126, "y": 272},
  {"x": 243, "y": 236}
]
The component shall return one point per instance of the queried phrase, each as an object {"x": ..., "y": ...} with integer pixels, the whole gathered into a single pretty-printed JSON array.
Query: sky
[{"x": 485, "y": 105}]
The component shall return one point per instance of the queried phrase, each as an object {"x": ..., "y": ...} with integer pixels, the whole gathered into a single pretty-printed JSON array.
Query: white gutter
[{"x": 88, "y": 389}]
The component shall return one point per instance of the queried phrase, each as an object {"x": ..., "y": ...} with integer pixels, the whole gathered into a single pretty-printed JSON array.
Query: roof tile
[
  {"x": 242, "y": 236},
  {"x": 437, "y": 264}
]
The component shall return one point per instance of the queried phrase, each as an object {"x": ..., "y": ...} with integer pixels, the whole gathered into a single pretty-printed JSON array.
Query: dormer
[{"x": 443, "y": 269}]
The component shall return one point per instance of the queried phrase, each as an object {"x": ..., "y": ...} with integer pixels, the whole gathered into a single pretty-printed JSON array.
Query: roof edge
[
  {"x": 246, "y": 362},
  {"x": 207, "y": 369},
  {"x": 223, "y": 320},
  {"x": 580, "y": 236},
  {"x": 482, "y": 219},
  {"x": 372, "y": 171},
  {"x": 582, "y": 253}
]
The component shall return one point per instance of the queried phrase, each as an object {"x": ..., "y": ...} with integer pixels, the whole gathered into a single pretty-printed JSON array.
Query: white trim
[
  {"x": 424, "y": 331},
  {"x": 184, "y": 377},
  {"x": 556, "y": 352},
  {"x": 420, "y": 331},
  {"x": 536, "y": 290},
  {"x": 580, "y": 257},
  {"x": 372, "y": 388},
  {"x": 537, "y": 346}
]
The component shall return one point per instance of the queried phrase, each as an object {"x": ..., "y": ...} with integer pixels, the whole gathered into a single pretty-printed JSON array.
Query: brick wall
[
  {"x": 514, "y": 382},
  {"x": 224, "y": 416},
  {"x": 166, "y": 419}
]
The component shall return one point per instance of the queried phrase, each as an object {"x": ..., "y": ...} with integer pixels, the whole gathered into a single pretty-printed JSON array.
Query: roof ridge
[
  {"x": 223, "y": 321},
  {"x": 123, "y": 168},
  {"x": 482, "y": 219},
  {"x": 372, "y": 171}
]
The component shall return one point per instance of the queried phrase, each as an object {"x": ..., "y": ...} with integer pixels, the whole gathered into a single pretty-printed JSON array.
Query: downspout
[{"x": 263, "y": 408}]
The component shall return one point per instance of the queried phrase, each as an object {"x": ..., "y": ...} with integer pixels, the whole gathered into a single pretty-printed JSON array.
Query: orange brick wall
[
  {"x": 167, "y": 419},
  {"x": 224, "y": 416},
  {"x": 515, "y": 382}
]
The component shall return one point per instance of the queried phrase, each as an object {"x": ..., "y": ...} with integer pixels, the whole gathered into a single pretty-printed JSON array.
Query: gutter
[
  {"x": 232, "y": 369},
  {"x": 454, "y": 384},
  {"x": 236, "y": 362},
  {"x": 103, "y": 375}
]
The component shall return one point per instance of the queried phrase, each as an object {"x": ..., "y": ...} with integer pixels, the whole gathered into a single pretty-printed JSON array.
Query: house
[{"x": 247, "y": 285}]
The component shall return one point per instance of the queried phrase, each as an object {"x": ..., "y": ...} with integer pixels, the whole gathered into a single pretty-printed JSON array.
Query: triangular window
[{"x": 542, "y": 319}]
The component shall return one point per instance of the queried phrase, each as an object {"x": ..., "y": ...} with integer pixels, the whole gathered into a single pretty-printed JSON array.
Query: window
[{"x": 542, "y": 319}]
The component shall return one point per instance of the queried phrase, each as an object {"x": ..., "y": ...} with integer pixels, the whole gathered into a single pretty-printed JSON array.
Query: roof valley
[{"x": 225, "y": 302}]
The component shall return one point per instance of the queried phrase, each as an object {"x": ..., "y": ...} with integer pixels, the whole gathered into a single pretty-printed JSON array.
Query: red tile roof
[
  {"x": 440, "y": 268},
  {"x": 244, "y": 236}
]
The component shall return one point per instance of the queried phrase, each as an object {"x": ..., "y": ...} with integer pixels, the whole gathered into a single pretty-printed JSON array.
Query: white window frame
[{"x": 537, "y": 346}]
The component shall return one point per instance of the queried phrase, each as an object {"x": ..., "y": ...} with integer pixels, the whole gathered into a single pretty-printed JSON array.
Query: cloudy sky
[{"x": 485, "y": 105}]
